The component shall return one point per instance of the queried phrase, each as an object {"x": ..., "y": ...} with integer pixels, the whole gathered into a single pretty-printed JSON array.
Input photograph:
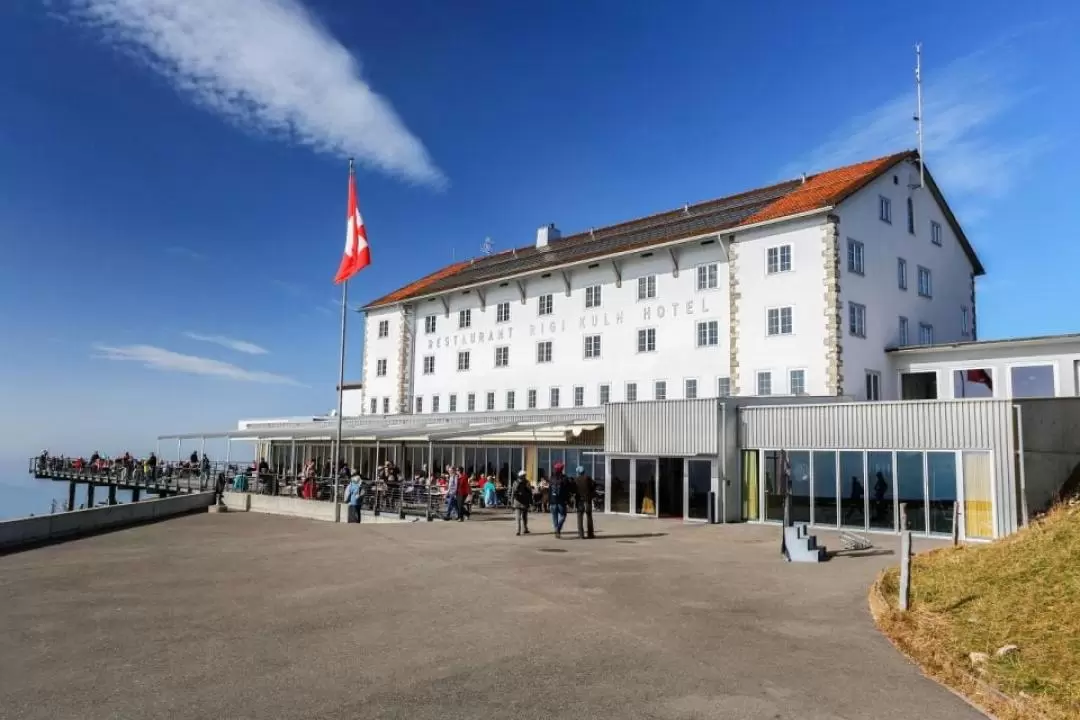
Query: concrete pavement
[{"x": 253, "y": 616}]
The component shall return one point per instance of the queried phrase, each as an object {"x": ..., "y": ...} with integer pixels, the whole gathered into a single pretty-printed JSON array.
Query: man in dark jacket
[
  {"x": 558, "y": 493},
  {"x": 521, "y": 496},
  {"x": 585, "y": 491}
]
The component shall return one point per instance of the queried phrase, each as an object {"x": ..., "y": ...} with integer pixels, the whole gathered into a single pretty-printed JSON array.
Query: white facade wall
[
  {"x": 352, "y": 402},
  {"x": 878, "y": 288},
  {"x": 673, "y": 314},
  {"x": 802, "y": 288},
  {"x": 999, "y": 360},
  {"x": 385, "y": 387}
]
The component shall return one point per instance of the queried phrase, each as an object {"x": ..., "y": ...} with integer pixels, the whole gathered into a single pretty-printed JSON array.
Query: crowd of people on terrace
[{"x": 126, "y": 467}]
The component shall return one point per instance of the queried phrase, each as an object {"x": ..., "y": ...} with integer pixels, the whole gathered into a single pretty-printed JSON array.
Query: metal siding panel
[{"x": 665, "y": 427}]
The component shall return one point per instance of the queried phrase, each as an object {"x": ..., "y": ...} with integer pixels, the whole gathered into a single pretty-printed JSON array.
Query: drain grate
[{"x": 554, "y": 550}]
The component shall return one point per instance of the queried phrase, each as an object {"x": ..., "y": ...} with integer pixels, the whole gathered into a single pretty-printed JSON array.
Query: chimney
[{"x": 546, "y": 234}]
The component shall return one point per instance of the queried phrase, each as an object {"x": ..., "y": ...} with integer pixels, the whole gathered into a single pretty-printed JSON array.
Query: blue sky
[{"x": 172, "y": 173}]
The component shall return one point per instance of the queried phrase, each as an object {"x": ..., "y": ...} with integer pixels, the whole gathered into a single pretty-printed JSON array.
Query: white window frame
[
  {"x": 627, "y": 392},
  {"x": 545, "y": 304},
  {"x": 434, "y": 403},
  {"x": 419, "y": 401},
  {"x": 579, "y": 396},
  {"x": 777, "y": 268},
  {"x": 554, "y": 397},
  {"x": 758, "y": 376},
  {"x": 544, "y": 351},
  {"x": 489, "y": 401},
  {"x": 856, "y": 313},
  {"x": 884, "y": 209},
  {"x": 648, "y": 333},
  {"x": 708, "y": 276},
  {"x": 504, "y": 351},
  {"x": 901, "y": 274},
  {"x": 531, "y": 398},
  {"x": 856, "y": 257},
  {"x": 511, "y": 399},
  {"x": 659, "y": 390},
  {"x": 594, "y": 296},
  {"x": 965, "y": 323},
  {"x": 604, "y": 393},
  {"x": 592, "y": 353},
  {"x": 502, "y": 312},
  {"x": 872, "y": 381},
  {"x": 380, "y": 367},
  {"x": 470, "y": 402},
  {"x": 779, "y": 321},
  {"x": 374, "y": 406},
  {"x": 384, "y": 328},
  {"x": 690, "y": 388},
  {"x": 431, "y": 324},
  {"x": 723, "y": 386},
  {"x": 791, "y": 383},
  {"x": 903, "y": 331},
  {"x": 429, "y": 364},
  {"x": 910, "y": 209},
  {"x": 465, "y": 355},
  {"x": 712, "y": 331},
  {"x": 926, "y": 334},
  {"x": 452, "y": 405},
  {"x": 646, "y": 288},
  {"x": 928, "y": 291},
  {"x": 935, "y": 232},
  {"x": 464, "y": 319},
  {"x": 386, "y": 406}
]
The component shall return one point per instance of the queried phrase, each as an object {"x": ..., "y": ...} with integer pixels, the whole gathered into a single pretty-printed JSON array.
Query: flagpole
[{"x": 340, "y": 391}]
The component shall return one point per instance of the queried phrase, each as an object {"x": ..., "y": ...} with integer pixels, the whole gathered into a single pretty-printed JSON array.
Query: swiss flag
[{"x": 357, "y": 253}]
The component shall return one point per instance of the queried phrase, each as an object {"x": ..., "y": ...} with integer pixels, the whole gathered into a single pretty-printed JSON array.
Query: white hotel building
[{"x": 685, "y": 359}]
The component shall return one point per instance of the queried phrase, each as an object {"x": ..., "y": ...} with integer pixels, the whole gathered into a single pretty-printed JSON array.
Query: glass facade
[
  {"x": 620, "y": 485},
  {"x": 645, "y": 486},
  {"x": 699, "y": 485},
  {"x": 852, "y": 490},
  {"x": 824, "y": 485},
  {"x": 879, "y": 478}
]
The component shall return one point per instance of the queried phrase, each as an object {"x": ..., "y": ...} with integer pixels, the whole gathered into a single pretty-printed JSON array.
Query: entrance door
[
  {"x": 670, "y": 488},
  {"x": 645, "y": 486}
]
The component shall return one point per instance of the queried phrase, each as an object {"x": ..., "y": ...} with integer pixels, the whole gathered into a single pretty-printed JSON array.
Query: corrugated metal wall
[
  {"x": 665, "y": 427},
  {"x": 931, "y": 425}
]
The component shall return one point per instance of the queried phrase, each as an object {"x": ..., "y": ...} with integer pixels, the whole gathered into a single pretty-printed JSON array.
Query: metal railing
[{"x": 168, "y": 476}]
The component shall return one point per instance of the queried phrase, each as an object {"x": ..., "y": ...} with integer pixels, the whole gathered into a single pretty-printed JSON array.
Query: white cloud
[
  {"x": 266, "y": 65},
  {"x": 962, "y": 106},
  {"x": 166, "y": 360},
  {"x": 228, "y": 342}
]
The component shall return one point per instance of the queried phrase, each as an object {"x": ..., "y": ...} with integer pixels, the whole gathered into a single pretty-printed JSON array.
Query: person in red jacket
[{"x": 464, "y": 492}]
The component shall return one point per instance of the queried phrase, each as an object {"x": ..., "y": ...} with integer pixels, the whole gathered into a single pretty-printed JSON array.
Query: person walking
[
  {"x": 452, "y": 495},
  {"x": 558, "y": 492},
  {"x": 585, "y": 491},
  {"x": 354, "y": 493},
  {"x": 521, "y": 496},
  {"x": 464, "y": 494}
]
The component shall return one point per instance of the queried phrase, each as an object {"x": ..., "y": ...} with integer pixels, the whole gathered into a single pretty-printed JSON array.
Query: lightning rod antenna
[{"x": 918, "y": 108}]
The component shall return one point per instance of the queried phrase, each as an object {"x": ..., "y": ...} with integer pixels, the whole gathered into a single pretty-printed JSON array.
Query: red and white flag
[{"x": 357, "y": 253}]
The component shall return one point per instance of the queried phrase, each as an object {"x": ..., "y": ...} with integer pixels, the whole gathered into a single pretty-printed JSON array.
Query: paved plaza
[{"x": 255, "y": 616}]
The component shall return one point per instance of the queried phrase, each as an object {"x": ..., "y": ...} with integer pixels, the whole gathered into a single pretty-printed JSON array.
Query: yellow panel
[
  {"x": 978, "y": 498},
  {"x": 750, "y": 484},
  {"x": 530, "y": 463}
]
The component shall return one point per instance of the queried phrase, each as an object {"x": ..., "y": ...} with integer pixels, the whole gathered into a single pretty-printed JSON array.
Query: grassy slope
[{"x": 1024, "y": 590}]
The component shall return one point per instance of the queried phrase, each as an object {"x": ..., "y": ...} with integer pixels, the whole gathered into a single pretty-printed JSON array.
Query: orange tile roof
[
  {"x": 418, "y": 286},
  {"x": 827, "y": 188}
]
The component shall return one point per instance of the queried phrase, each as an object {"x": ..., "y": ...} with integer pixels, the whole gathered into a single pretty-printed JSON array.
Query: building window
[
  {"x": 708, "y": 333},
  {"x": 592, "y": 296},
  {"x": 419, "y": 404},
  {"x": 384, "y": 328},
  {"x": 510, "y": 398},
  {"x": 856, "y": 253},
  {"x": 965, "y": 327},
  {"x": 386, "y": 406},
  {"x": 690, "y": 389},
  {"x": 660, "y": 390},
  {"x": 857, "y": 319},
  {"x": 605, "y": 394},
  {"x": 502, "y": 356},
  {"x": 592, "y": 346},
  {"x": 543, "y": 352},
  {"x": 901, "y": 273},
  {"x": 764, "y": 383},
  {"x": 434, "y": 403},
  {"x": 429, "y": 364},
  {"x": 532, "y": 399},
  {"x": 707, "y": 277},
  {"x": 885, "y": 209},
  {"x": 631, "y": 392},
  {"x": 723, "y": 387},
  {"x": 797, "y": 382},
  {"x": 903, "y": 331},
  {"x": 490, "y": 405},
  {"x": 502, "y": 312},
  {"x": 646, "y": 287},
  {"x": 553, "y": 397},
  {"x": 579, "y": 396},
  {"x": 429, "y": 324},
  {"x": 925, "y": 287},
  {"x": 926, "y": 334},
  {"x": 470, "y": 402},
  {"x": 873, "y": 385},
  {"x": 374, "y": 405},
  {"x": 453, "y": 402},
  {"x": 464, "y": 319},
  {"x": 935, "y": 232},
  {"x": 380, "y": 367},
  {"x": 779, "y": 321},
  {"x": 910, "y": 216},
  {"x": 544, "y": 305},
  {"x": 1032, "y": 381},
  {"x": 646, "y": 340},
  {"x": 463, "y": 360},
  {"x": 778, "y": 259}
]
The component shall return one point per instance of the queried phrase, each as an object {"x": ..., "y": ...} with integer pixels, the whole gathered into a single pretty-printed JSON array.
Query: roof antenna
[
  {"x": 918, "y": 108},
  {"x": 487, "y": 246},
  {"x": 686, "y": 208}
]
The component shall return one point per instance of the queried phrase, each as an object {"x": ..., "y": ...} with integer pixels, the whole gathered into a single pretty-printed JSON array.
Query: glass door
[
  {"x": 619, "y": 486},
  {"x": 698, "y": 487},
  {"x": 645, "y": 486},
  {"x": 978, "y": 498}
]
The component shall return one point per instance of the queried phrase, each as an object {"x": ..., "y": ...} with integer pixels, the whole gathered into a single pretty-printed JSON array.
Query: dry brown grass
[{"x": 1024, "y": 590}]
